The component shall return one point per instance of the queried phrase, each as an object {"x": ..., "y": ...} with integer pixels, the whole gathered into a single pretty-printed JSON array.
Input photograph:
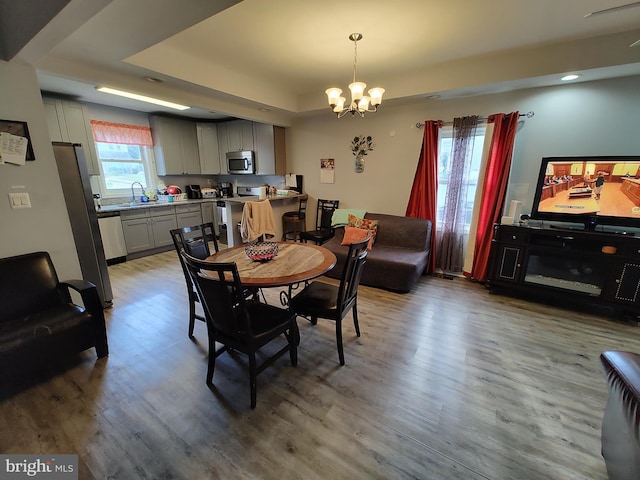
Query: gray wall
[
  {"x": 590, "y": 118},
  {"x": 45, "y": 226}
]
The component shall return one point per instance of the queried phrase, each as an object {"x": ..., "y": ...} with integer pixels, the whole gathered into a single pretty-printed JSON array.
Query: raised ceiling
[{"x": 272, "y": 60}]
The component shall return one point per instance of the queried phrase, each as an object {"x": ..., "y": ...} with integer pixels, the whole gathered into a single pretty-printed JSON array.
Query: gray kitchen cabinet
[
  {"x": 148, "y": 228},
  {"x": 207, "y": 210},
  {"x": 188, "y": 215},
  {"x": 223, "y": 146},
  {"x": 208, "y": 150},
  {"x": 138, "y": 235},
  {"x": 162, "y": 226},
  {"x": 70, "y": 122},
  {"x": 239, "y": 135},
  {"x": 175, "y": 146},
  {"x": 270, "y": 149}
]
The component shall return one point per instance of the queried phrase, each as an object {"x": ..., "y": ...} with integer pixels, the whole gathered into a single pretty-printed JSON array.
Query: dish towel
[{"x": 257, "y": 220}]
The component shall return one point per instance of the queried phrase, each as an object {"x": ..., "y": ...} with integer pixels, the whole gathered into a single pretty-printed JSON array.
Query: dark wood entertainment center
[{"x": 569, "y": 265}]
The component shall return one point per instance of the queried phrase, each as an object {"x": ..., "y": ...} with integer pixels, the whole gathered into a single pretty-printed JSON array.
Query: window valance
[{"x": 121, "y": 133}]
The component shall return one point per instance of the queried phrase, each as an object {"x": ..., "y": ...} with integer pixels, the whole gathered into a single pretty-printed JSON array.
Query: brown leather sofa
[
  {"x": 398, "y": 257},
  {"x": 38, "y": 320},
  {"x": 621, "y": 421}
]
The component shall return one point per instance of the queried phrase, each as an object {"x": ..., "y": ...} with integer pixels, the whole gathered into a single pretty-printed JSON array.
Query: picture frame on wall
[{"x": 21, "y": 129}]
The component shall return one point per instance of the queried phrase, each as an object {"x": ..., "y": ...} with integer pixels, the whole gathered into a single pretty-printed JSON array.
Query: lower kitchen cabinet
[
  {"x": 188, "y": 215},
  {"x": 138, "y": 235},
  {"x": 148, "y": 228}
]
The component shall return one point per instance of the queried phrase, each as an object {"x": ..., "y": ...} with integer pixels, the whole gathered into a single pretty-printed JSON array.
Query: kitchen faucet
[{"x": 133, "y": 195}]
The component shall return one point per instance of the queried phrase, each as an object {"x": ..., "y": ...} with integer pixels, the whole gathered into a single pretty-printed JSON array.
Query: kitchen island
[{"x": 232, "y": 214}]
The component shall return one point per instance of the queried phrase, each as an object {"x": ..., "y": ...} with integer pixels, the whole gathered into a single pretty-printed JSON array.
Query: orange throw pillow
[
  {"x": 354, "y": 235},
  {"x": 371, "y": 225}
]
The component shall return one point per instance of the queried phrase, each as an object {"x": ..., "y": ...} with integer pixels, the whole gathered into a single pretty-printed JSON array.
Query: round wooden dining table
[{"x": 295, "y": 263}]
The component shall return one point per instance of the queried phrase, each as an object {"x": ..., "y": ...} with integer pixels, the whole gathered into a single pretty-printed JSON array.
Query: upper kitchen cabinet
[
  {"x": 270, "y": 150},
  {"x": 239, "y": 135},
  {"x": 223, "y": 145},
  {"x": 175, "y": 145},
  {"x": 69, "y": 122},
  {"x": 208, "y": 148}
]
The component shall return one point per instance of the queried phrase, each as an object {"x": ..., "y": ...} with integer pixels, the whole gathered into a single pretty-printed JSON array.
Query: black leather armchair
[
  {"x": 621, "y": 420},
  {"x": 38, "y": 319}
]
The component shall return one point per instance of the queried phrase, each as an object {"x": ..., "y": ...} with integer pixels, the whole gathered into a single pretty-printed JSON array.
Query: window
[
  {"x": 124, "y": 155},
  {"x": 121, "y": 165},
  {"x": 445, "y": 152}
]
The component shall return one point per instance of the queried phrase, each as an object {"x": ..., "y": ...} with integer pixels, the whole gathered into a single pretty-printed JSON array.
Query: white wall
[
  {"x": 590, "y": 118},
  {"x": 45, "y": 226}
]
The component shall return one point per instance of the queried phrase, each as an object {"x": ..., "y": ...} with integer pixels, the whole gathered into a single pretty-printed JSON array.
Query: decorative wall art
[{"x": 360, "y": 145}]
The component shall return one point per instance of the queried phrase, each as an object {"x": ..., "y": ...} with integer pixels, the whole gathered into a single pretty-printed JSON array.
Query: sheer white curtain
[{"x": 451, "y": 232}]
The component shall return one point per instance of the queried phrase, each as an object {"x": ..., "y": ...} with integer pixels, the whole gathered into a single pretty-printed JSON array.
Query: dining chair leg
[
  {"x": 294, "y": 341},
  {"x": 355, "y": 317},
  {"x": 192, "y": 313},
  {"x": 211, "y": 364},
  {"x": 314, "y": 320},
  {"x": 253, "y": 376},
  {"x": 339, "y": 341}
]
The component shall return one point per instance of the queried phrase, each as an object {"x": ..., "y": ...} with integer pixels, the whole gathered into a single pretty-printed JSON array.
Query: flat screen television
[{"x": 589, "y": 190}]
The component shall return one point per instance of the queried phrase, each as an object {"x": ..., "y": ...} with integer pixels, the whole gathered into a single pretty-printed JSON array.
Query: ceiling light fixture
[
  {"x": 359, "y": 102},
  {"x": 568, "y": 78},
  {"x": 142, "y": 98}
]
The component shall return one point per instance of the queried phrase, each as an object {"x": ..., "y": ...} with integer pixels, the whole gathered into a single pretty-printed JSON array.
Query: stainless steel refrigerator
[{"x": 74, "y": 177}]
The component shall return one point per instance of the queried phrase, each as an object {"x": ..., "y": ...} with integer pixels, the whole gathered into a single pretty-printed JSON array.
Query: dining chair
[
  {"x": 195, "y": 241},
  {"x": 236, "y": 323},
  {"x": 323, "y": 231},
  {"x": 323, "y": 300}
]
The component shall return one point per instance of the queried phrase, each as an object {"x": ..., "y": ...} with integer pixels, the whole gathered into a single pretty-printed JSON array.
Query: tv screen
[{"x": 589, "y": 190}]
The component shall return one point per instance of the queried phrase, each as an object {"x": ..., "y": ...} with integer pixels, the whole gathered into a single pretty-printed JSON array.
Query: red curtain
[
  {"x": 424, "y": 192},
  {"x": 494, "y": 188},
  {"x": 121, "y": 133}
]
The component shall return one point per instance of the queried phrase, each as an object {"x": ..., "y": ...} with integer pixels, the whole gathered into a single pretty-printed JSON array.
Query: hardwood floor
[{"x": 449, "y": 381}]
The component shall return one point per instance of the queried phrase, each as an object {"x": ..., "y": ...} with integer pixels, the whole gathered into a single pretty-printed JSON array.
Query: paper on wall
[
  {"x": 13, "y": 149},
  {"x": 290, "y": 180}
]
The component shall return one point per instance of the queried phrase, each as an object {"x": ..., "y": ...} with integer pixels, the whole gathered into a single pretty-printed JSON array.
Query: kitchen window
[
  {"x": 122, "y": 165},
  {"x": 125, "y": 157}
]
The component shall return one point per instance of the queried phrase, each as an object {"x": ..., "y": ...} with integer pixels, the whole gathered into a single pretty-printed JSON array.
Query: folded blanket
[
  {"x": 341, "y": 216},
  {"x": 257, "y": 220}
]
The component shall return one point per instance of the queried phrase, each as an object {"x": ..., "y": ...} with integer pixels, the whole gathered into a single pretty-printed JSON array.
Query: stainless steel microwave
[{"x": 241, "y": 163}]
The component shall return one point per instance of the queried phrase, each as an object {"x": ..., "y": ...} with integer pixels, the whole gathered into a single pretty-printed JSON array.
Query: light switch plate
[{"x": 19, "y": 200}]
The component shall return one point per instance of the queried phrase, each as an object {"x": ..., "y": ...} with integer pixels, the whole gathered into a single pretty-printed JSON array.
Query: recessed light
[
  {"x": 263, "y": 109},
  {"x": 568, "y": 78},
  {"x": 432, "y": 97},
  {"x": 153, "y": 79}
]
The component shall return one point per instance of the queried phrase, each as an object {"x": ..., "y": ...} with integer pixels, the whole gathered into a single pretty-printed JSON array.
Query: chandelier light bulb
[
  {"x": 376, "y": 95},
  {"x": 333, "y": 95},
  {"x": 363, "y": 104},
  {"x": 357, "y": 90}
]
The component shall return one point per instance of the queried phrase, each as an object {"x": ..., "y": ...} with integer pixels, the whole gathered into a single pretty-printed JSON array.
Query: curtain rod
[{"x": 481, "y": 119}]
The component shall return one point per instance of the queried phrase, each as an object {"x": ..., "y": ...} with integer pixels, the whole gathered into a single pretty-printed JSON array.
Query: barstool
[{"x": 295, "y": 222}]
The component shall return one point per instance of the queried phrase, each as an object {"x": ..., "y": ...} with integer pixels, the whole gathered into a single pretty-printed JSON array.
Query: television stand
[{"x": 575, "y": 266}]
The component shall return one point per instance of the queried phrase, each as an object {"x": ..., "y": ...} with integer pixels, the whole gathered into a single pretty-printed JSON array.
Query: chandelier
[{"x": 360, "y": 103}]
